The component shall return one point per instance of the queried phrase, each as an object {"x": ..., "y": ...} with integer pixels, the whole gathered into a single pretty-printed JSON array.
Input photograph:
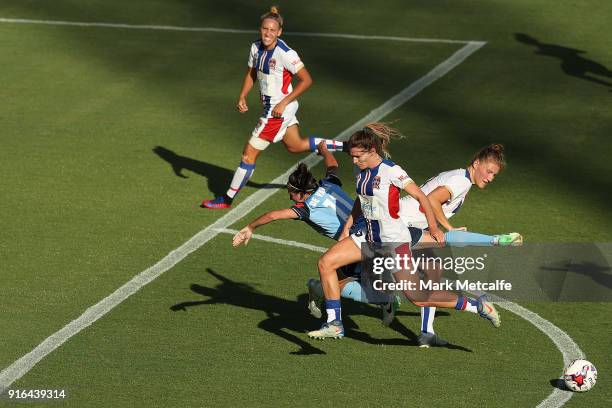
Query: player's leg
[
  {"x": 316, "y": 297},
  {"x": 447, "y": 299},
  {"x": 342, "y": 253},
  {"x": 241, "y": 176},
  {"x": 296, "y": 144},
  {"x": 352, "y": 288},
  {"x": 427, "y": 337},
  {"x": 457, "y": 238},
  {"x": 263, "y": 134}
]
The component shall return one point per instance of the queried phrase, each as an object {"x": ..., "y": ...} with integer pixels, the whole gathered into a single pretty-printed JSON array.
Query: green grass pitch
[{"x": 110, "y": 137}]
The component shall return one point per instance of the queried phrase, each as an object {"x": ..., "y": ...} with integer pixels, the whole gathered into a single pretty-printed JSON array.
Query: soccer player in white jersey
[
  {"x": 447, "y": 193},
  {"x": 378, "y": 188},
  {"x": 273, "y": 64}
]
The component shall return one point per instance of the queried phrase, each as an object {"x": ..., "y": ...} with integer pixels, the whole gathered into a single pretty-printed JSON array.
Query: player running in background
[
  {"x": 273, "y": 64},
  {"x": 378, "y": 188}
]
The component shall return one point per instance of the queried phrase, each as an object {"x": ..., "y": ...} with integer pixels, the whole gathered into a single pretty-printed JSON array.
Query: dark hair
[
  {"x": 375, "y": 135},
  {"x": 273, "y": 14},
  {"x": 494, "y": 153},
  {"x": 302, "y": 180}
]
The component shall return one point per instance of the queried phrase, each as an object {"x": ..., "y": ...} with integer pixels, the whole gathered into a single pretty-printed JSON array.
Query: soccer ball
[{"x": 580, "y": 375}]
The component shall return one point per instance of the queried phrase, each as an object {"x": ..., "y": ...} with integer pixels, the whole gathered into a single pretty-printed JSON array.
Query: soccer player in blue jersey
[
  {"x": 273, "y": 65},
  {"x": 323, "y": 205}
]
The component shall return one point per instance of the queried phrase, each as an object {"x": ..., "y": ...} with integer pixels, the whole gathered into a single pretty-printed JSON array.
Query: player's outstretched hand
[
  {"x": 322, "y": 148},
  {"x": 243, "y": 236},
  {"x": 242, "y": 105},
  {"x": 437, "y": 235}
]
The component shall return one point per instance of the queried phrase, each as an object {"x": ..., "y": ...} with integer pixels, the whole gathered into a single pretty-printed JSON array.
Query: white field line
[
  {"x": 225, "y": 30},
  {"x": 24, "y": 364},
  {"x": 566, "y": 345}
]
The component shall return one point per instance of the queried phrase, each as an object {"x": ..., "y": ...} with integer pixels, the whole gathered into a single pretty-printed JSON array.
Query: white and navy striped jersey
[
  {"x": 327, "y": 208},
  {"x": 379, "y": 194},
  {"x": 275, "y": 69},
  {"x": 458, "y": 183}
]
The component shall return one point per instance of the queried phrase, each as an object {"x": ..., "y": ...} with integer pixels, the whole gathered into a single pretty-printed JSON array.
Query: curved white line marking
[{"x": 568, "y": 348}]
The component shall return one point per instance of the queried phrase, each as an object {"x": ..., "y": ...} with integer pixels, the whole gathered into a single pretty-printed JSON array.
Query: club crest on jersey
[
  {"x": 272, "y": 63},
  {"x": 376, "y": 182}
]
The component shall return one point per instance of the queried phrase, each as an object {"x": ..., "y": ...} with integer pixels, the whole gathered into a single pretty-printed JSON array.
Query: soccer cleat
[
  {"x": 487, "y": 310},
  {"x": 218, "y": 203},
  {"x": 315, "y": 300},
  {"x": 389, "y": 309},
  {"x": 511, "y": 239},
  {"x": 332, "y": 330},
  {"x": 427, "y": 340}
]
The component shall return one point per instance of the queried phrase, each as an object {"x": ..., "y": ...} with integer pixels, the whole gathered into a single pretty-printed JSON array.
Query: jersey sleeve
[
  {"x": 398, "y": 177},
  {"x": 457, "y": 186},
  {"x": 252, "y": 56},
  {"x": 292, "y": 62},
  {"x": 302, "y": 211}
]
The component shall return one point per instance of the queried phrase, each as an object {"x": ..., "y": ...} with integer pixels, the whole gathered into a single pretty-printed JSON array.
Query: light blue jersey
[{"x": 327, "y": 209}]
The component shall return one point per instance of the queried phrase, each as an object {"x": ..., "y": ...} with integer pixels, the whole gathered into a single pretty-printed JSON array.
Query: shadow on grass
[
  {"x": 218, "y": 178},
  {"x": 559, "y": 384},
  {"x": 572, "y": 63},
  {"x": 285, "y": 316}
]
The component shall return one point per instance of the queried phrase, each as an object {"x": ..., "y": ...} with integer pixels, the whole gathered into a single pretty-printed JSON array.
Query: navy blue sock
[{"x": 334, "y": 311}]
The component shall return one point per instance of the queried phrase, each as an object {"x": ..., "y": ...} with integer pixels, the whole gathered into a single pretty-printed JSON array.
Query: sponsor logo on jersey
[{"x": 272, "y": 63}]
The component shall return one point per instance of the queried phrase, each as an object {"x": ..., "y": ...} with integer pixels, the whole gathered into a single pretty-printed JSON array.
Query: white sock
[
  {"x": 427, "y": 318},
  {"x": 241, "y": 176}
]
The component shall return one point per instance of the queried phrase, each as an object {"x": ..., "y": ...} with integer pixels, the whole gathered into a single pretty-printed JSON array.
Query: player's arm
[
  {"x": 331, "y": 164},
  {"x": 247, "y": 85},
  {"x": 436, "y": 198},
  {"x": 304, "y": 82},
  {"x": 244, "y": 235},
  {"x": 416, "y": 193},
  {"x": 354, "y": 215}
]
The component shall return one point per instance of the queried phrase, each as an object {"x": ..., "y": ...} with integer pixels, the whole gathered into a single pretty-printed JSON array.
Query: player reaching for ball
[{"x": 273, "y": 64}]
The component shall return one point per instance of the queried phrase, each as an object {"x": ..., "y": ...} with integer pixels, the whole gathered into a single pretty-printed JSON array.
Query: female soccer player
[
  {"x": 273, "y": 64},
  {"x": 378, "y": 188},
  {"x": 323, "y": 205},
  {"x": 446, "y": 193}
]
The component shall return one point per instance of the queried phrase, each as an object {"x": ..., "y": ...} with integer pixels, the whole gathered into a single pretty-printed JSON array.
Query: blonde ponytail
[{"x": 375, "y": 135}]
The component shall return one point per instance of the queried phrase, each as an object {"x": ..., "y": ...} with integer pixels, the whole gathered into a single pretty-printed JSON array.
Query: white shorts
[
  {"x": 360, "y": 237},
  {"x": 271, "y": 130}
]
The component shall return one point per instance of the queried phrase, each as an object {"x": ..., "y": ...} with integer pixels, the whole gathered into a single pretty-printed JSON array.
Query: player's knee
[
  {"x": 246, "y": 158},
  {"x": 325, "y": 266}
]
